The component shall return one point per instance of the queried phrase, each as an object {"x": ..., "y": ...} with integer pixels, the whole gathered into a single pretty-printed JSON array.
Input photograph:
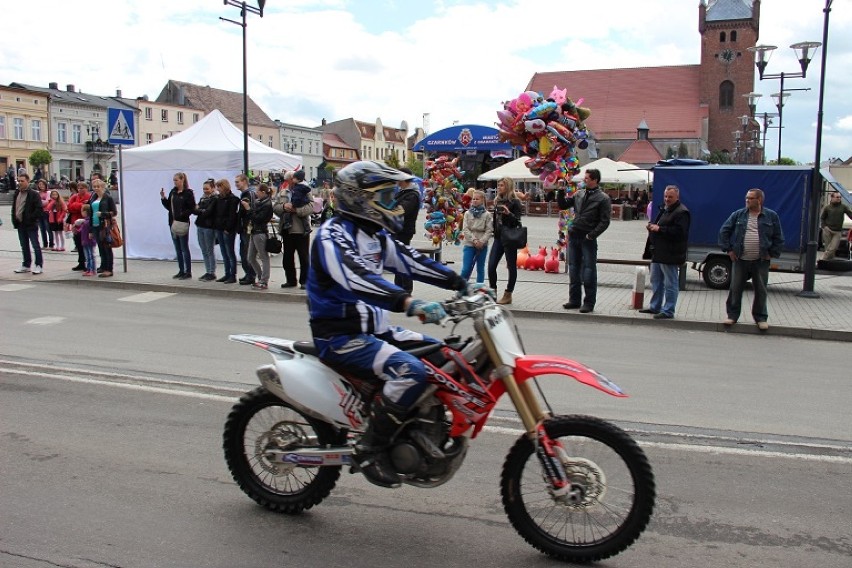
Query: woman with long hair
[
  {"x": 102, "y": 213},
  {"x": 180, "y": 204},
  {"x": 507, "y": 213}
]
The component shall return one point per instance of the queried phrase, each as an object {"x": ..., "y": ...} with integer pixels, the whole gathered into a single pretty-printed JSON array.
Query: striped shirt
[{"x": 751, "y": 242}]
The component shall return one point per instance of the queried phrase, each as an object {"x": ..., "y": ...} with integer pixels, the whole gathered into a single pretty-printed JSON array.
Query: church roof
[
  {"x": 641, "y": 152},
  {"x": 719, "y": 10},
  {"x": 667, "y": 97}
]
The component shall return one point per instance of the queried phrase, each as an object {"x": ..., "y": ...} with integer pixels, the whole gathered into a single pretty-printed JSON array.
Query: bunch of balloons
[
  {"x": 549, "y": 131},
  {"x": 443, "y": 199}
]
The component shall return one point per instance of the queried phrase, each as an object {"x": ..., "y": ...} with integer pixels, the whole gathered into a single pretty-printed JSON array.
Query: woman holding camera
[{"x": 507, "y": 213}]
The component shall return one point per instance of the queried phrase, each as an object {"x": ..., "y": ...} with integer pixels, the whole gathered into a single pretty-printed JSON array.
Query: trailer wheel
[{"x": 717, "y": 272}]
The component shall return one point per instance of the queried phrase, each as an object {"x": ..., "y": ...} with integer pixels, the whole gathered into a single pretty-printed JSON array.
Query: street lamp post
[
  {"x": 244, "y": 9},
  {"x": 94, "y": 131},
  {"x": 766, "y": 119},
  {"x": 804, "y": 53}
]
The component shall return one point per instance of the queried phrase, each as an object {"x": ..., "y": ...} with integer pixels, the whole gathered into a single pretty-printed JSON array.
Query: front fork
[{"x": 550, "y": 452}]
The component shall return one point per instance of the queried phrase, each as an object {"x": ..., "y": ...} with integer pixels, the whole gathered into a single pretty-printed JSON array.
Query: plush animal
[
  {"x": 536, "y": 262},
  {"x": 552, "y": 263},
  {"x": 523, "y": 255},
  {"x": 558, "y": 96}
]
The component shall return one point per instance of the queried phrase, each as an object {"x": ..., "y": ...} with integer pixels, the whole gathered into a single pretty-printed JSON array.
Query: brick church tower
[{"x": 728, "y": 28}]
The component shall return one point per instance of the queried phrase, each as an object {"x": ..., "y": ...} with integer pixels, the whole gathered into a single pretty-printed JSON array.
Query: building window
[
  {"x": 270, "y": 142},
  {"x": 149, "y": 138},
  {"x": 77, "y": 133},
  {"x": 17, "y": 129},
  {"x": 194, "y": 117},
  {"x": 149, "y": 113},
  {"x": 726, "y": 95},
  {"x": 180, "y": 117},
  {"x": 2, "y": 127},
  {"x": 164, "y": 136},
  {"x": 62, "y": 132},
  {"x": 722, "y": 37},
  {"x": 734, "y": 35},
  {"x": 164, "y": 115},
  {"x": 35, "y": 126}
]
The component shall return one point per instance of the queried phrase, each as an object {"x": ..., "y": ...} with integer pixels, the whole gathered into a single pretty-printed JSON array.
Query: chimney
[
  {"x": 54, "y": 86},
  {"x": 69, "y": 88},
  {"x": 118, "y": 93},
  {"x": 323, "y": 122}
]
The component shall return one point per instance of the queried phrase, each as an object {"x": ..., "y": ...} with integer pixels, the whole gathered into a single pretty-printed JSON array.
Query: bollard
[{"x": 639, "y": 288}]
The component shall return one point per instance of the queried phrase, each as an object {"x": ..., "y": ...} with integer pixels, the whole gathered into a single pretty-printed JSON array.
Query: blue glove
[{"x": 428, "y": 312}]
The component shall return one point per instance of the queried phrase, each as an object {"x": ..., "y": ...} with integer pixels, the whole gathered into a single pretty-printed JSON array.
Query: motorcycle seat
[{"x": 306, "y": 347}]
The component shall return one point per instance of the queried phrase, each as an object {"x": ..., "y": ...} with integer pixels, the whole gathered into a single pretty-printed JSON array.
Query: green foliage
[
  {"x": 783, "y": 162},
  {"x": 682, "y": 151},
  {"x": 670, "y": 153},
  {"x": 415, "y": 165},
  {"x": 719, "y": 157},
  {"x": 40, "y": 158},
  {"x": 392, "y": 159}
]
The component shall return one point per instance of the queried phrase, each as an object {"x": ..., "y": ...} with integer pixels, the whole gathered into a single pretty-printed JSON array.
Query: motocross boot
[{"x": 371, "y": 450}]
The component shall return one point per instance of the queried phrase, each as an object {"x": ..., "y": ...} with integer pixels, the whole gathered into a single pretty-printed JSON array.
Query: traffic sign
[{"x": 120, "y": 126}]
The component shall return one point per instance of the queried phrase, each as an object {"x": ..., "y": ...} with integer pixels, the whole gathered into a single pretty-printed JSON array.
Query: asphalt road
[{"x": 111, "y": 411}]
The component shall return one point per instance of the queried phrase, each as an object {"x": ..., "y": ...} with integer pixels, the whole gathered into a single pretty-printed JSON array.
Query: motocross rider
[{"x": 349, "y": 301}]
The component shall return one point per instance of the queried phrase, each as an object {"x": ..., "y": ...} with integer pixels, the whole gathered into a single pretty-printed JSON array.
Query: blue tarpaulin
[{"x": 463, "y": 137}]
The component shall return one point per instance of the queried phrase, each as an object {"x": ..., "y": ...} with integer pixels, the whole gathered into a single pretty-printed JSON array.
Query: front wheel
[
  {"x": 610, "y": 498},
  {"x": 717, "y": 272},
  {"x": 261, "y": 421}
]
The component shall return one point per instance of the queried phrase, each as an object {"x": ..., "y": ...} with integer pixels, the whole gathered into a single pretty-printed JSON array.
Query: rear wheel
[
  {"x": 261, "y": 421},
  {"x": 717, "y": 273},
  {"x": 611, "y": 495}
]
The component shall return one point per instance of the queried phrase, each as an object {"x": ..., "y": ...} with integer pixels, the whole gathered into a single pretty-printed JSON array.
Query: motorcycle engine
[{"x": 423, "y": 453}]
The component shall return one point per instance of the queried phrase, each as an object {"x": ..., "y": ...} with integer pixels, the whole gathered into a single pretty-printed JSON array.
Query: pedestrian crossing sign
[{"x": 121, "y": 127}]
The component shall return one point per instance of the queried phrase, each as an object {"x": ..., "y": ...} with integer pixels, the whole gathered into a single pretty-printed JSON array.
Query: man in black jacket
[
  {"x": 246, "y": 195},
  {"x": 26, "y": 212},
  {"x": 592, "y": 212},
  {"x": 409, "y": 198},
  {"x": 668, "y": 236}
]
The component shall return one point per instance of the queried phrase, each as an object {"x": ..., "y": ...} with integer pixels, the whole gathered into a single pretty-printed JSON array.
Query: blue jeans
[
  {"x": 206, "y": 240},
  {"x": 378, "y": 356},
  {"x": 582, "y": 270},
  {"x": 471, "y": 255},
  {"x": 758, "y": 270},
  {"x": 89, "y": 253},
  {"x": 497, "y": 252},
  {"x": 182, "y": 249},
  {"x": 29, "y": 238},
  {"x": 229, "y": 256},
  {"x": 46, "y": 234},
  {"x": 664, "y": 287}
]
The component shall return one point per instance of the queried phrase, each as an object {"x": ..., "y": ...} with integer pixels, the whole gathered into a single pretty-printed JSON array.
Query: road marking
[
  {"x": 46, "y": 320},
  {"x": 146, "y": 297},
  {"x": 704, "y": 449},
  {"x": 15, "y": 287}
]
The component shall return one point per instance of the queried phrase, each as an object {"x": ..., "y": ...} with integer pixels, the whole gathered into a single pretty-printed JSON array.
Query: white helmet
[{"x": 367, "y": 190}]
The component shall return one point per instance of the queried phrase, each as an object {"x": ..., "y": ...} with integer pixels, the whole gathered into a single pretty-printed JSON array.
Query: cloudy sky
[{"x": 402, "y": 60}]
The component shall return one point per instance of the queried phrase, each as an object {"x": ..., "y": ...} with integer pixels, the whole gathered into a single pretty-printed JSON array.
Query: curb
[{"x": 301, "y": 297}]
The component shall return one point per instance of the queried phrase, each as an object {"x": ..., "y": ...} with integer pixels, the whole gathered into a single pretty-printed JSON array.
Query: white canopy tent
[
  {"x": 616, "y": 172},
  {"x": 515, "y": 170},
  {"x": 212, "y": 148}
]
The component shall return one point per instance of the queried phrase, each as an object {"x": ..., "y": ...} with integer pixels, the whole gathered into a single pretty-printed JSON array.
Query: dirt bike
[{"x": 575, "y": 487}]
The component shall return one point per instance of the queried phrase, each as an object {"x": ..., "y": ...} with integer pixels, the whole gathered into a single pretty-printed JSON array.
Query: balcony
[{"x": 100, "y": 147}]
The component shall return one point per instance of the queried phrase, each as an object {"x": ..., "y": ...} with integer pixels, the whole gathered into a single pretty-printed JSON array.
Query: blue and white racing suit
[{"x": 349, "y": 301}]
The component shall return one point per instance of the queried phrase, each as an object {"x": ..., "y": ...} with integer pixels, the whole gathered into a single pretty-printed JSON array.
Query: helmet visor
[{"x": 385, "y": 197}]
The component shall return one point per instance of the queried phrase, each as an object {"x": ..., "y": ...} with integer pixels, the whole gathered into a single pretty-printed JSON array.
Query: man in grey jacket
[{"x": 26, "y": 211}]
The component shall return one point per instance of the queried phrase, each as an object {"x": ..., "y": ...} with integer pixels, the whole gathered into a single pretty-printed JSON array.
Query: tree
[
  {"x": 682, "y": 151},
  {"x": 719, "y": 157},
  {"x": 670, "y": 153},
  {"x": 415, "y": 165},
  {"x": 40, "y": 158},
  {"x": 783, "y": 162},
  {"x": 392, "y": 159}
]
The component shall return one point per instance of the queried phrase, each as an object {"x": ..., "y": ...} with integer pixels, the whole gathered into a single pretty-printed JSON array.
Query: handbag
[
  {"x": 273, "y": 243},
  {"x": 115, "y": 239},
  {"x": 180, "y": 228},
  {"x": 513, "y": 237}
]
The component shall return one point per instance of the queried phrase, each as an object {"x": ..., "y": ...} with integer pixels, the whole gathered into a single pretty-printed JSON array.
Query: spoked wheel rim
[{"x": 277, "y": 427}]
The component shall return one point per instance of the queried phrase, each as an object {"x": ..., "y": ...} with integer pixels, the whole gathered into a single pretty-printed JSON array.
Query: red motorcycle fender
[{"x": 529, "y": 366}]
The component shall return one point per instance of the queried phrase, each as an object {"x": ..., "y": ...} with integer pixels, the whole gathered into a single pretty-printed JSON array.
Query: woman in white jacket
[{"x": 478, "y": 228}]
